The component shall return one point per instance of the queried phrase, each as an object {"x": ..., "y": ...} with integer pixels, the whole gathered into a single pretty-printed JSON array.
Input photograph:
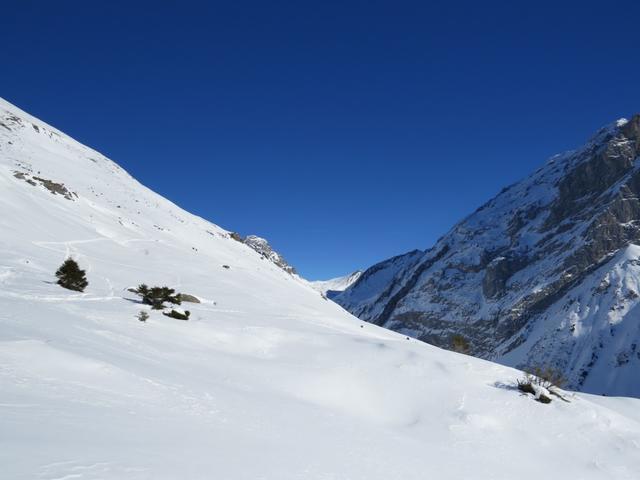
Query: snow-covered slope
[
  {"x": 267, "y": 380},
  {"x": 335, "y": 285},
  {"x": 543, "y": 274}
]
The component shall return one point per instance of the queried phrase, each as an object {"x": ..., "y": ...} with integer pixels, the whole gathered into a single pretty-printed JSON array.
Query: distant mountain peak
[{"x": 334, "y": 286}]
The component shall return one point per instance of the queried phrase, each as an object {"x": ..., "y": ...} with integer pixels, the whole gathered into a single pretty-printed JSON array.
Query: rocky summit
[
  {"x": 547, "y": 273},
  {"x": 262, "y": 246}
]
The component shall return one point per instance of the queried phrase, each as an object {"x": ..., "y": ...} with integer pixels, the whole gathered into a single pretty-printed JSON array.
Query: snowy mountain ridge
[
  {"x": 265, "y": 380},
  {"x": 333, "y": 286},
  {"x": 520, "y": 278}
]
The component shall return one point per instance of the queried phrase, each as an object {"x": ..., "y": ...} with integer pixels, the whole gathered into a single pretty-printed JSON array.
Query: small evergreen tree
[
  {"x": 142, "y": 316},
  {"x": 71, "y": 277},
  {"x": 156, "y": 296},
  {"x": 142, "y": 290}
]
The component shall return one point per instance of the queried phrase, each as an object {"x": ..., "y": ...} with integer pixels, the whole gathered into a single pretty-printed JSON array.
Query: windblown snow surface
[{"x": 267, "y": 380}]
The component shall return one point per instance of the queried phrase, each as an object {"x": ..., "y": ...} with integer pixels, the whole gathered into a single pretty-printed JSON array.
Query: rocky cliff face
[{"x": 544, "y": 273}]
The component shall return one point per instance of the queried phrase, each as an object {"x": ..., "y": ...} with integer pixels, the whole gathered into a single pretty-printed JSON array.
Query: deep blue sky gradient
[{"x": 344, "y": 132}]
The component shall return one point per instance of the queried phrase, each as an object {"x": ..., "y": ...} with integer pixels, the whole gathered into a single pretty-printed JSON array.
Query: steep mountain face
[
  {"x": 334, "y": 286},
  {"x": 545, "y": 273}
]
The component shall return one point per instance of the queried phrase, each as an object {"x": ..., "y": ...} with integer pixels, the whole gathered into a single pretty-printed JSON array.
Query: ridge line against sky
[{"x": 344, "y": 133}]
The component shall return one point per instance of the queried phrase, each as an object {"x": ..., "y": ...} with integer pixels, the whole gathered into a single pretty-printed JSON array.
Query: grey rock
[
  {"x": 185, "y": 297},
  {"x": 262, "y": 246}
]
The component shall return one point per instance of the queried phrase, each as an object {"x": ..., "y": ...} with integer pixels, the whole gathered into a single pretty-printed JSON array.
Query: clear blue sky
[{"x": 344, "y": 132}]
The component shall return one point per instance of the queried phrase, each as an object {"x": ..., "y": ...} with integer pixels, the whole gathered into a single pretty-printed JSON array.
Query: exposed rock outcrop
[{"x": 263, "y": 247}]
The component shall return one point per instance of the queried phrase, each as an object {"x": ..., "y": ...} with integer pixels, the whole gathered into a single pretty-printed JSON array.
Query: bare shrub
[
  {"x": 460, "y": 344},
  {"x": 540, "y": 379}
]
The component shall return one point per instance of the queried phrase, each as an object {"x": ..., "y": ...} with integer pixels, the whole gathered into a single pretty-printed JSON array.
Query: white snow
[
  {"x": 266, "y": 380},
  {"x": 338, "y": 284}
]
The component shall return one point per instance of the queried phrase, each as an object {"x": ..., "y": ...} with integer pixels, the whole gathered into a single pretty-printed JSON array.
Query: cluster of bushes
[
  {"x": 540, "y": 381},
  {"x": 157, "y": 296},
  {"x": 72, "y": 277}
]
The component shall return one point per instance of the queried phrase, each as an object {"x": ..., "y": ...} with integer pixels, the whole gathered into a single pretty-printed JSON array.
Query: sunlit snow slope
[{"x": 267, "y": 380}]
